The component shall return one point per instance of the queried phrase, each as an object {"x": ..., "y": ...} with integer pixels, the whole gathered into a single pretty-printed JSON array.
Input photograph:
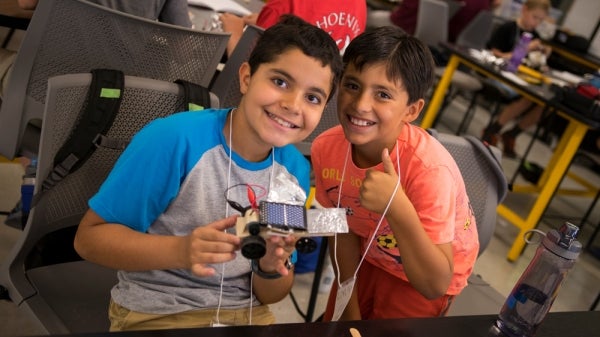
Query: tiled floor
[{"x": 577, "y": 292}]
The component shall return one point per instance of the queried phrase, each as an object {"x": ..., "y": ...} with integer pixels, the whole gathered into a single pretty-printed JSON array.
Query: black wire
[
  {"x": 235, "y": 205},
  {"x": 297, "y": 306}
]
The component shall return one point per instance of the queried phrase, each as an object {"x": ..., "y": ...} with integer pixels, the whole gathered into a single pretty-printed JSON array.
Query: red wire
[{"x": 251, "y": 197}]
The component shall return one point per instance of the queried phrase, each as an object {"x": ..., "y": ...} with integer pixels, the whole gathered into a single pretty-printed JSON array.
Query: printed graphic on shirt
[
  {"x": 345, "y": 24},
  {"x": 363, "y": 223}
]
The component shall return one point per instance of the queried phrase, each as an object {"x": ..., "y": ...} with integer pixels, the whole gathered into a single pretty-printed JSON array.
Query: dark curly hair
[
  {"x": 293, "y": 32},
  {"x": 406, "y": 58}
]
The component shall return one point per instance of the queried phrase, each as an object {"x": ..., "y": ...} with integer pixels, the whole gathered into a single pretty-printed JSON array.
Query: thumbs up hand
[{"x": 377, "y": 187}]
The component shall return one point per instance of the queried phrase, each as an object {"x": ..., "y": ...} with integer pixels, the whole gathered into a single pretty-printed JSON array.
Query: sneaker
[
  {"x": 490, "y": 138},
  {"x": 508, "y": 143}
]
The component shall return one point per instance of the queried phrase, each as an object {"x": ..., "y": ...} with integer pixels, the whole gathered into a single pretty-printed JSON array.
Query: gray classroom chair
[
  {"x": 486, "y": 187},
  {"x": 42, "y": 274},
  {"x": 432, "y": 22},
  {"x": 484, "y": 179},
  {"x": 478, "y": 31},
  {"x": 227, "y": 82},
  {"x": 75, "y": 36},
  {"x": 432, "y": 28}
]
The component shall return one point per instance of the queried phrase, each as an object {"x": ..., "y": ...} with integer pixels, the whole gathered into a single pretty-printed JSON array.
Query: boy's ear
[
  {"x": 244, "y": 74},
  {"x": 414, "y": 109}
]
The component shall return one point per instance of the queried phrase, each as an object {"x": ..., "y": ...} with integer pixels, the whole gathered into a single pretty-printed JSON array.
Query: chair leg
[
  {"x": 545, "y": 114},
  {"x": 466, "y": 121},
  {"x": 7, "y": 38},
  {"x": 595, "y": 304},
  {"x": 493, "y": 113},
  {"x": 585, "y": 218}
]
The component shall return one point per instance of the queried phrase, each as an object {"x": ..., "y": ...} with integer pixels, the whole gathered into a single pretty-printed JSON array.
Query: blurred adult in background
[
  {"x": 168, "y": 11},
  {"x": 174, "y": 12},
  {"x": 343, "y": 20},
  {"x": 405, "y": 15}
]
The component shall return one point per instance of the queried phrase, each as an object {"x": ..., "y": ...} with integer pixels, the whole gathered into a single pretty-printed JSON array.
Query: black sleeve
[{"x": 503, "y": 38}]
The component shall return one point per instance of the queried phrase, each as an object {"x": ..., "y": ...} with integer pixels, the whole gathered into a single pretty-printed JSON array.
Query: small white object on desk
[
  {"x": 514, "y": 78},
  {"x": 566, "y": 76},
  {"x": 222, "y": 6}
]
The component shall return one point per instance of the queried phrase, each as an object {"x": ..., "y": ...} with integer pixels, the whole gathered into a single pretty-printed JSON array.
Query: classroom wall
[{"x": 582, "y": 17}]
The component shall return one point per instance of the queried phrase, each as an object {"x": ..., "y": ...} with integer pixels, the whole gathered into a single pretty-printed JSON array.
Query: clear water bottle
[
  {"x": 533, "y": 295},
  {"x": 519, "y": 52}
]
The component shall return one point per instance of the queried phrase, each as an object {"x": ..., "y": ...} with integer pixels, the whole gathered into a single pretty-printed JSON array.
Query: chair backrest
[
  {"x": 432, "y": 22},
  {"x": 477, "y": 32},
  {"x": 484, "y": 179},
  {"x": 66, "y": 37},
  {"x": 454, "y": 7},
  {"x": 43, "y": 261},
  {"x": 227, "y": 83}
]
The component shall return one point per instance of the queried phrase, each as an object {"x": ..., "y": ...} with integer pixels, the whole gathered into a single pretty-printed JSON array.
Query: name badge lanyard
[
  {"x": 345, "y": 288},
  {"x": 217, "y": 321}
]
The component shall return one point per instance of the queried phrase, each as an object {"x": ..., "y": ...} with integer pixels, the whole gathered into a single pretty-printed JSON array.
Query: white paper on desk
[
  {"x": 514, "y": 78},
  {"x": 566, "y": 76},
  {"x": 223, "y": 6}
]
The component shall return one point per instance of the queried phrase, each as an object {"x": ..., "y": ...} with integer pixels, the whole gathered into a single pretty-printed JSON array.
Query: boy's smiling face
[
  {"x": 372, "y": 109},
  {"x": 283, "y": 101}
]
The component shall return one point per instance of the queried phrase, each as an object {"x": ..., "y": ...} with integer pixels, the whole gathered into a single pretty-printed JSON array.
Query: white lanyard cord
[
  {"x": 380, "y": 219},
  {"x": 337, "y": 265},
  {"x": 227, "y": 213}
]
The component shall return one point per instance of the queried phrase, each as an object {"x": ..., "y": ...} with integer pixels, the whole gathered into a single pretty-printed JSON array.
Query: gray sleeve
[{"x": 175, "y": 12}]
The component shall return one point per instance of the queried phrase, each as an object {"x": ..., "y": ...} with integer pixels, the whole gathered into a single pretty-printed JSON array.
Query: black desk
[
  {"x": 386, "y": 5},
  {"x": 548, "y": 184},
  {"x": 583, "y": 59},
  {"x": 563, "y": 324}
]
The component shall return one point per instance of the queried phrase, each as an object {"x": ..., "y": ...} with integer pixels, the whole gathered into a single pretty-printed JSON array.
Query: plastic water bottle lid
[{"x": 563, "y": 242}]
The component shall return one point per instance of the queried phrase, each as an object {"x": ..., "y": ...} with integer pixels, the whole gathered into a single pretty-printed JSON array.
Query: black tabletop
[
  {"x": 545, "y": 93},
  {"x": 585, "y": 56},
  {"x": 560, "y": 324}
]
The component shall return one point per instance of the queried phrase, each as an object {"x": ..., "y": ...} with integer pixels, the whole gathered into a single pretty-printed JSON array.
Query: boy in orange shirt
[{"x": 413, "y": 239}]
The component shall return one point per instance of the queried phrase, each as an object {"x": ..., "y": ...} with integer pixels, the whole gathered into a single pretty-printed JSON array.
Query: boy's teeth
[
  {"x": 281, "y": 121},
  {"x": 360, "y": 122}
]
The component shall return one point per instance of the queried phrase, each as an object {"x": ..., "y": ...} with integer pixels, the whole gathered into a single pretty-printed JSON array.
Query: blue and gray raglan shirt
[{"x": 171, "y": 179}]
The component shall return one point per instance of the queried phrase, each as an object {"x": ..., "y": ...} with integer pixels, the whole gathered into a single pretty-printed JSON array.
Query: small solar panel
[{"x": 280, "y": 215}]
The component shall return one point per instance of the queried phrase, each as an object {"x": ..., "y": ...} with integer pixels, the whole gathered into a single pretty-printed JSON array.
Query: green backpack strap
[{"x": 195, "y": 96}]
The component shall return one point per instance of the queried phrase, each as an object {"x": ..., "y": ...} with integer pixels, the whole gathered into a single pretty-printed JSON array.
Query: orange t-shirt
[{"x": 431, "y": 180}]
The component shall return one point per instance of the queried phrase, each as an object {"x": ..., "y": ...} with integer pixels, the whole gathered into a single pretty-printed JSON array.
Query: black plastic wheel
[
  {"x": 254, "y": 247},
  {"x": 306, "y": 245}
]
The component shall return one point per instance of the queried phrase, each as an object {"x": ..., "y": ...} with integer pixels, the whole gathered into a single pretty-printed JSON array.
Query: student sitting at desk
[
  {"x": 502, "y": 42},
  {"x": 167, "y": 234},
  {"x": 413, "y": 239}
]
